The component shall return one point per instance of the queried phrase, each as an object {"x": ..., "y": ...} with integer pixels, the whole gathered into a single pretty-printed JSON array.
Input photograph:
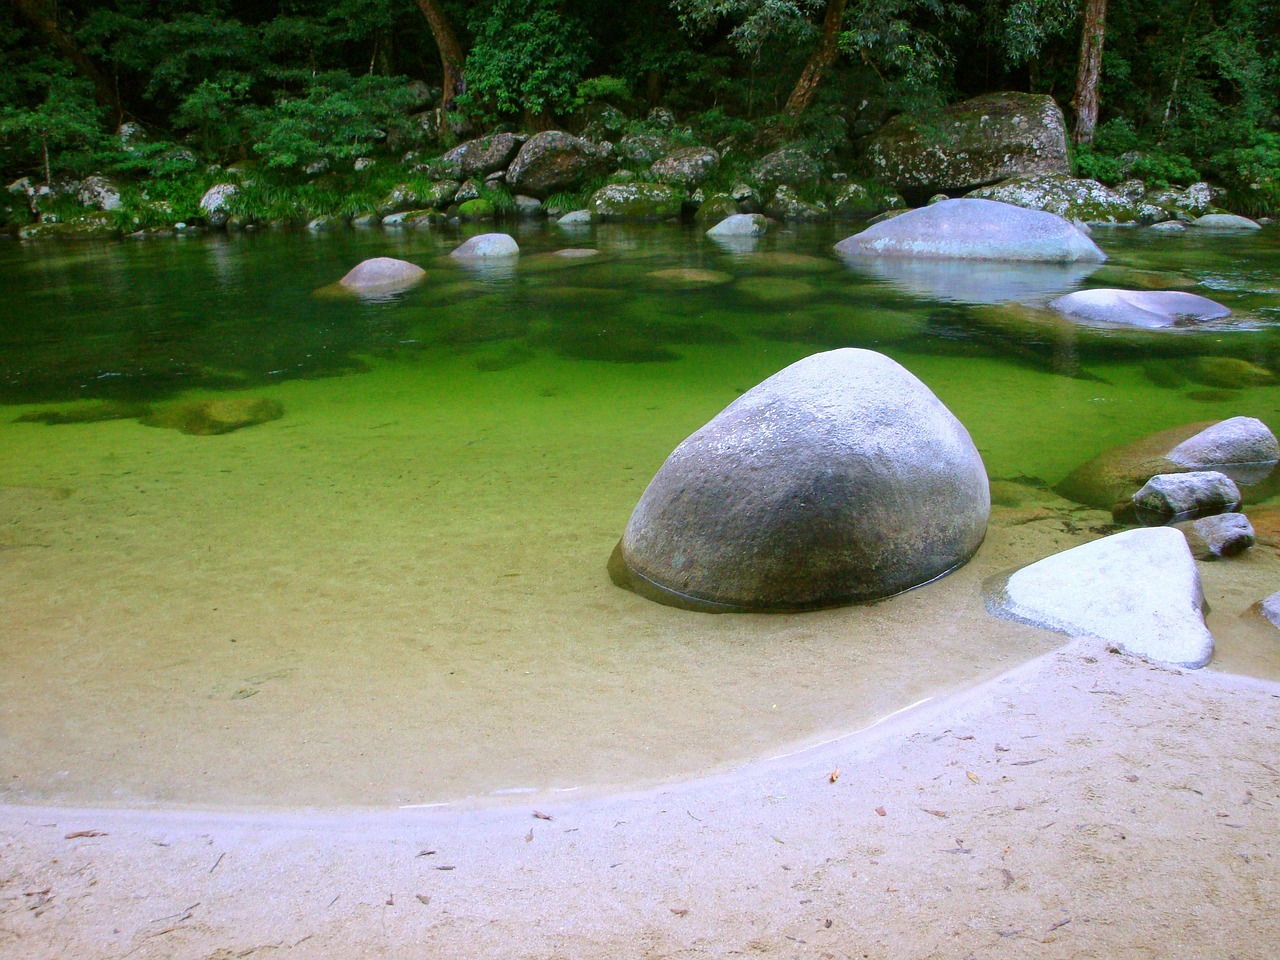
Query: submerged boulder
[
  {"x": 974, "y": 230},
  {"x": 976, "y": 142},
  {"x": 1138, "y": 590},
  {"x": 840, "y": 479},
  {"x": 204, "y": 418},
  {"x": 1243, "y": 448},
  {"x": 1150, "y": 309},
  {"x": 382, "y": 274}
]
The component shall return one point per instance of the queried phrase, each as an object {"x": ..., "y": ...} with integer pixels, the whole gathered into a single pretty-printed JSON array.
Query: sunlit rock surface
[
  {"x": 1138, "y": 590},
  {"x": 840, "y": 479},
  {"x": 972, "y": 229}
]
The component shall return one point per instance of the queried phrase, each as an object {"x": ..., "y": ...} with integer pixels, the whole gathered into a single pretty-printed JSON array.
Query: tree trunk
[
  {"x": 452, "y": 56},
  {"x": 46, "y": 21},
  {"x": 828, "y": 49},
  {"x": 1089, "y": 72}
]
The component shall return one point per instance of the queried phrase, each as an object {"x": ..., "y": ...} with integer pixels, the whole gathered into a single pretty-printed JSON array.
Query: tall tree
[
  {"x": 821, "y": 60},
  {"x": 1089, "y": 73},
  {"x": 452, "y": 57},
  {"x": 45, "y": 19}
]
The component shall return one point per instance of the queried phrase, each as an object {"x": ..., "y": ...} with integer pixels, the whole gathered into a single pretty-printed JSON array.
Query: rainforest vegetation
[{"x": 169, "y": 91}]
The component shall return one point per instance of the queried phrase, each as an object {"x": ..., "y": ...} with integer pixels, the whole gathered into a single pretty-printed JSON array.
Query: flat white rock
[{"x": 1138, "y": 590}]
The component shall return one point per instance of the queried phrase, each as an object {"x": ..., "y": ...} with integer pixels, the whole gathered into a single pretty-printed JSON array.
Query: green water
[{"x": 396, "y": 591}]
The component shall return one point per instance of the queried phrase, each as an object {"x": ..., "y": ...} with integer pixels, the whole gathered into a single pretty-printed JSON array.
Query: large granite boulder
[
  {"x": 790, "y": 165},
  {"x": 1168, "y": 497},
  {"x": 477, "y": 158},
  {"x": 215, "y": 205},
  {"x": 840, "y": 479},
  {"x": 1149, "y": 309},
  {"x": 974, "y": 230},
  {"x": 1138, "y": 590},
  {"x": 636, "y": 201},
  {"x": 382, "y": 275},
  {"x": 979, "y": 141},
  {"x": 1084, "y": 200},
  {"x": 687, "y": 167},
  {"x": 1243, "y": 448},
  {"x": 553, "y": 160},
  {"x": 99, "y": 193}
]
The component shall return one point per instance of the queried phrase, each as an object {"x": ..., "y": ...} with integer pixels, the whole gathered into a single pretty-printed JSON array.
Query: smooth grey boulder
[
  {"x": 487, "y": 245},
  {"x": 553, "y": 160},
  {"x": 740, "y": 225},
  {"x": 1243, "y": 448},
  {"x": 976, "y": 142},
  {"x": 1222, "y": 535},
  {"x": 1225, "y": 221},
  {"x": 1268, "y": 609},
  {"x": 1182, "y": 496},
  {"x": 974, "y": 230},
  {"x": 214, "y": 205},
  {"x": 840, "y": 479},
  {"x": 1138, "y": 590},
  {"x": 382, "y": 274},
  {"x": 1149, "y": 309},
  {"x": 575, "y": 218}
]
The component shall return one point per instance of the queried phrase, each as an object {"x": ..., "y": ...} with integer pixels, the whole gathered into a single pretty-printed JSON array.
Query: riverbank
[{"x": 1082, "y": 805}]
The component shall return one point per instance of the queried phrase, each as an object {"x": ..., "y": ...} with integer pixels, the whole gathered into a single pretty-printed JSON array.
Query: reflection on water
[
  {"x": 396, "y": 591},
  {"x": 975, "y": 281}
]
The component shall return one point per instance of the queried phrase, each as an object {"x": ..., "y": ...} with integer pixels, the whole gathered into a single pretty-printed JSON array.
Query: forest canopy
[{"x": 160, "y": 88}]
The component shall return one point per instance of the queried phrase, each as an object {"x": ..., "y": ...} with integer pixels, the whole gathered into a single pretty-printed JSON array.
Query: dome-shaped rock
[
  {"x": 382, "y": 274},
  {"x": 840, "y": 479},
  {"x": 974, "y": 229},
  {"x": 488, "y": 245},
  {"x": 1150, "y": 309}
]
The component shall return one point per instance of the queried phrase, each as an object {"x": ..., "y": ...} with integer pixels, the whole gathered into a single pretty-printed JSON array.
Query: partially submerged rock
[
  {"x": 974, "y": 230},
  {"x": 1225, "y": 221},
  {"x": 1150, "y": 309},
  {"x": 487, "y": 245},
  {"x": 740, "y": 225},
  {"x": 214, "y": 417},
  {"x": 840, "y": 479},
  {"x": 1139, "y": 591},
  {"x": 1219, "y": 536},
  {"x": 1181, "y": 496},
  {"x": 382, "y": 275},
  {"x": 1243, "y": 448}
]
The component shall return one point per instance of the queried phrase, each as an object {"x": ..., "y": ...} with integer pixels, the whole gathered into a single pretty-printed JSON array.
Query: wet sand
[{"x": 1083, "y": 805}]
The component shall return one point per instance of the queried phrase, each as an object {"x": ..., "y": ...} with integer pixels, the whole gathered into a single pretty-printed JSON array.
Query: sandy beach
[{"x": 1086, "y": 804}]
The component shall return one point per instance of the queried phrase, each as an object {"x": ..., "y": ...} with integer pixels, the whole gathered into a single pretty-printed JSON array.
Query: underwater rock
[
  {"x": 974, "y": 230},
  {"x": 1229, "y": 372},
  {"x": 205, "y": 418},
  {"x": 840, "y": 479},
  {"x": 89, "y": 413},
  {"x": 740, "y": 225},
  {"x": 487, "y": 245},
  {"x": 1224, "y": 221},
  {"x": 1149, "y": 309},
  {"x": 1181, "y": 496},
  {"x": 1243, "y": 448},
  {"x": 1138, "y": 590},
  {"x": 383, "y": 275},
  {"x": 691, "y": 277},
  {"x": 1268, "y": 609},
  {"x": 776, "y": 289},
  {"x": 1222, "y": 535}
]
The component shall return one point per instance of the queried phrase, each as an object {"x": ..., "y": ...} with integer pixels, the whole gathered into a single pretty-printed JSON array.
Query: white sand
[{"x": 1083, "y": 805}]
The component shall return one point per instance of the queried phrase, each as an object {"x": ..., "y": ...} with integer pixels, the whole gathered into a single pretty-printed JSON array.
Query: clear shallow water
[{"x": 396, "y": 593}]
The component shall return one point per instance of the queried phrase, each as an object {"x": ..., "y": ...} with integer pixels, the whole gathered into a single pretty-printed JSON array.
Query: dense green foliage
[{"x": 1190, "y": 88}]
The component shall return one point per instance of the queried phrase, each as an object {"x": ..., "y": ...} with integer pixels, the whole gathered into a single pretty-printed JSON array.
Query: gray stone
[
  {"x": 643, "y": 148},
  {"x": 787, "y": 204},
  {"x": 487, "y": 245},
  {"x": 1139, "y": 591},
  {"x": 974, "y": 229},
  {"x": 553, "y": 160},
  {"x": 99, "y": 193},
  {"x": 1168, "y": 226},
  {"x": 382, "y": 274},
  {"x": 840, "y": 479},
  {"x": 1084, "y": 200},
  {"x": 1149, "y": 309},
  {"x": 1225, "y": 221},
  {"x": 575, "y": 218},
  {"x": 686, "y": 167},
  {"x": 740, "y": 225},
  {"x": 637, "y": 201},
  {"x": 214, "y": 203},
  {"x": 858, "y": 200},
  {"x": 477, "y": 158},
  {"x": 1242, "y": 448},
  {"x": 208, "y": 418},
  {"x": 528, "y": 208},
  {"x": 979, "y": 141},
  {"x": 404, "y": 197},
  {"x": 1218, "y": 536},
  {"x": 1269, "y": 609},
  {"x": 790, "y": 166},
  {"x": 325, "y": 224},
  {"x": 1181, "y": 496}
]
